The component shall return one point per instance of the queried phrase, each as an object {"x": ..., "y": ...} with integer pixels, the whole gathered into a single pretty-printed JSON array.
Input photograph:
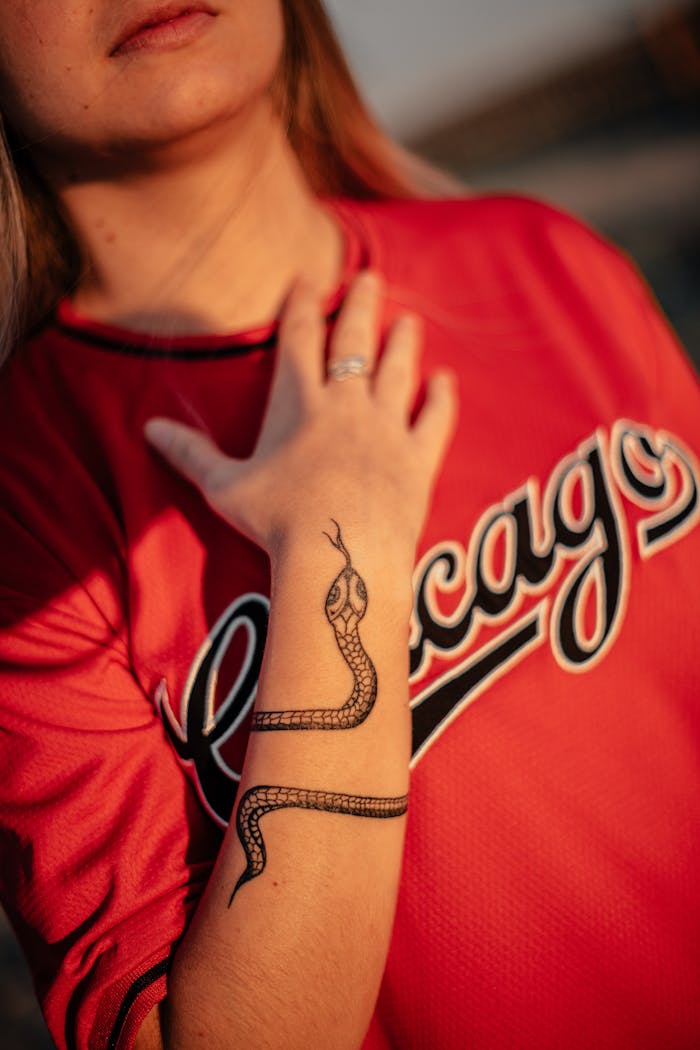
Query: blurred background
[{"x": 592, "y": 104}]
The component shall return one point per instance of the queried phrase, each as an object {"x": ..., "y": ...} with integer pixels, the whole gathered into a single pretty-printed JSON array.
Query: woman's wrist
[
  {"x": 309, "y": 556},
  {"x": 377, "y": 548}
]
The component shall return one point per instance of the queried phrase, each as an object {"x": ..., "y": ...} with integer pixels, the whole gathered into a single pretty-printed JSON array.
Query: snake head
[{"x": 346, "y": 601}]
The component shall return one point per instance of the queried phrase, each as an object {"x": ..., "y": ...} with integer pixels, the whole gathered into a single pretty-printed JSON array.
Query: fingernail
[
  {"x": 409, "y": 322},
  {"x": 304, "y": 283},
  {"x": 371, "y": 278},
  {"x": 155, "y": 430},
  {"x": 447, "y": 379}
]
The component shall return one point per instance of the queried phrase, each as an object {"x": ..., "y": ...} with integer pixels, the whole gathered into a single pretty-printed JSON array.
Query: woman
[{"x": 230, "y": 272}]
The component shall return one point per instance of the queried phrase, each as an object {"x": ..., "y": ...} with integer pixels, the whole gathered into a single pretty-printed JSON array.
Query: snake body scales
[
  {"x": 346, "y": 604},
  {"x": 261, "y": 800}
]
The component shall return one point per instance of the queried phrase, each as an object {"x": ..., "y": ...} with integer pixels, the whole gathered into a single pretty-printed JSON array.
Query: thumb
[{"x": 190, "y": 451}]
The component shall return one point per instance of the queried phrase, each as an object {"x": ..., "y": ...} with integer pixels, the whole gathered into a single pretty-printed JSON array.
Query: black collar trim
[{"x": 194, "y": 353}]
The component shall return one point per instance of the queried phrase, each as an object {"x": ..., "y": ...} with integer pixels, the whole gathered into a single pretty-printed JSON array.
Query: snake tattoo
[
  {"x": 261, "y": 800},
  {"x": 346, "y": 603}
]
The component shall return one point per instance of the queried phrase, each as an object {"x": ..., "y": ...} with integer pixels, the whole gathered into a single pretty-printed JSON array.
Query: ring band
[{"x": 348, "y": 368}]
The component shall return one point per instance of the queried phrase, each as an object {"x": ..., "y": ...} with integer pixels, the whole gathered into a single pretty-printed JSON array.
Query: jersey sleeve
[
  {"x": 621, "y": 292},
  {"x": 523, "y": 258},
  {"x": 99, "y": 867},
  {"x": 675, "y": 378}
]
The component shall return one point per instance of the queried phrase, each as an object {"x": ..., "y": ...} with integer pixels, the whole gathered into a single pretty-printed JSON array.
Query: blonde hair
[
  {"x": 342, "y": 150},
  {"x": 13, "y": 256}
]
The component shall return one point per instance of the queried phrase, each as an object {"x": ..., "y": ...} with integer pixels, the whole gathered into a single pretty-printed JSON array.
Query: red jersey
[{"x": 549, "y": 890}]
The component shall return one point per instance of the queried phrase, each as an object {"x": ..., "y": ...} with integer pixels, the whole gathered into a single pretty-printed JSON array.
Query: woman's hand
[{"x": 336, "y": 448}]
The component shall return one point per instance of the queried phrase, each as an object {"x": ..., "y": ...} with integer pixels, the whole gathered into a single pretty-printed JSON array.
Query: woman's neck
[{"x": 205, "y": 242}]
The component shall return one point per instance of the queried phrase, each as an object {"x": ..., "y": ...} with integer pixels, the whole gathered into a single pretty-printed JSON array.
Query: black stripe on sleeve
[{"x": 139, "y": 985}]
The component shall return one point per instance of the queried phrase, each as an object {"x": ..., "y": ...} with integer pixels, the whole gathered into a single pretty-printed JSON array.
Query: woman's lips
[{"x": 165, "y": 30}]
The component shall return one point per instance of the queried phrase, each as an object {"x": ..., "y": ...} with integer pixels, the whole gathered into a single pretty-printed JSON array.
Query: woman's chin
[
  {"x": 171, "y": 96},
  {"x": 168, "y": 111},
  {"x": 180, "y": 128}
]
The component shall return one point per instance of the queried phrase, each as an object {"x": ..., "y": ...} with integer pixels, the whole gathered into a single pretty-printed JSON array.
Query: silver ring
[{"x": 348, "y": 367}]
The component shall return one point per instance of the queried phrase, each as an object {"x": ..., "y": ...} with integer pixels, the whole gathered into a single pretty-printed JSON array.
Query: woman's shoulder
[
  {"x": 489, "y": 221},
  {"x": 495, "y": 236}
]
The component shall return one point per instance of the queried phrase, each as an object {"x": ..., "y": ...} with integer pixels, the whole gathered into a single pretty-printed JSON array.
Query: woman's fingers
[
  {"x": 356, "y": 335},
  {"x": 192, "y": 453},
  {"x": 436, "y": 422},
  {"x": 298, "y": 375},
  {"x": 298, "y": 450},
  {"x": 397, "y": 373},
  {"x": 299, "y": 365}
]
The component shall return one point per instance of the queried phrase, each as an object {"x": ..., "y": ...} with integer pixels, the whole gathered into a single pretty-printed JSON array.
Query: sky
[{"x": 422, "y": 60}]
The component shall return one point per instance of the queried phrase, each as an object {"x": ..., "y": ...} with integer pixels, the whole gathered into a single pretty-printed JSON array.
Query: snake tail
[{"x": 258, "y": 801}]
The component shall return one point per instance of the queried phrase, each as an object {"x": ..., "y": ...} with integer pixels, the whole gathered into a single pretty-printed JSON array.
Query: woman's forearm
[
  {"x": 289, "y": 943},
  {"x": 288, "y": 951}
]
